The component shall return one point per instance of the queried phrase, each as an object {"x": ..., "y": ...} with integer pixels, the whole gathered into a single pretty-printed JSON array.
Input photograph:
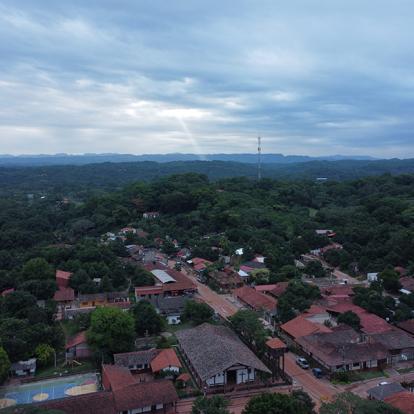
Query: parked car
[
  {"x": 383, "y": 383},
  {"x": 317, "y": 372},
  {"x": 302, "y": 363}
]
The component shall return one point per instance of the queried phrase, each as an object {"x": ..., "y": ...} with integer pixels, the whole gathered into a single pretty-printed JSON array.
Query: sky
[{"x": 312, "y": 77}]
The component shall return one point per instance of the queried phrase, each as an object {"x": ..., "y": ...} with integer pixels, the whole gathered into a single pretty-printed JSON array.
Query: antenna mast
[{"x": 259, "y": 158}]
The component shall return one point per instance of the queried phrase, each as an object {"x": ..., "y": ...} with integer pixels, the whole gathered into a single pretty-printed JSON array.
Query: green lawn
[{"x": 351, "y": 376}]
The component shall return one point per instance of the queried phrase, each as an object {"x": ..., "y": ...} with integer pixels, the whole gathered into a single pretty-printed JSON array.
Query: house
[
  {"x": 399, "y": 344},
  {"x": 279, "y": 289},
  {"x": 372, "y": 277},
  {"x": 138, "y": 361},
  {"x": 217, "y": 357},
  {"x": 300, "y": 326},
  {"x": 77, "y": 347},
  {"x": 199, "y": 264},
  {"x": 6, "y": 292},
  {"x": 403, "y": 400},
  {"x": 91, "y": 300},
  {"x": 169, "y": 282},
  {"x": 166, "y": 361},
  {"x": 257, "y": 301},
  {"x": 407, "y": 283},
  {"x": 64, "y": 297},
  {"x": 265, "y": 288},
  {"x": 151, "y": 215},
  {"x": 226, "y": 280},
  {"x": 325, "y": 232},
  {"x": 380, "y": 392},
  {"x": 23, "y": 368},
  {"x": 62, "y": 278},
  {"x": 343, "y": 349},
  {"x": 184, "y": 253},
  {"x": 171, "y": 307}
]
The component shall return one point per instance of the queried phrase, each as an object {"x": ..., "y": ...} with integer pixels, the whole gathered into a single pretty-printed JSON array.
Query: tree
[
  {"x": 38, "y": 268},
  {"x": 44, "y": 354},
  {"x": 314, "y": 268},
  {"x": 4, "y": 364},
  {"x": 247, "y": 324},
  {"x": 297, "y": 403},
  {"x": 111, "y": 331},
  {"x": 147, "y": 320},
  {"x": 390, "y": 280},
  {"x": 197, "y": 312},
  {"x": 213, "y": 405},
  {"x": 350, "y": 403},
  {"x": 351, "y": 319},
  {"x": 18, "y": 304}
]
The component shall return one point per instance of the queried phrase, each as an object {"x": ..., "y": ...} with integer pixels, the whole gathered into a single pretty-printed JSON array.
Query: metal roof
[{"x": 163, "y": 276}]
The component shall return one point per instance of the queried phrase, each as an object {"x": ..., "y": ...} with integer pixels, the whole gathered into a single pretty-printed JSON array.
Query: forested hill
[{"x": 113, "y": 175}]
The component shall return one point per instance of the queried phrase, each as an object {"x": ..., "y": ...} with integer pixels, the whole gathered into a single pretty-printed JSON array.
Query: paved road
[{"x": 319, "y": 389}]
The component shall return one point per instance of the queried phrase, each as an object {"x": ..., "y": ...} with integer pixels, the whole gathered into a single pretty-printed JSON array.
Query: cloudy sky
[{"x": 312, "y": 77}]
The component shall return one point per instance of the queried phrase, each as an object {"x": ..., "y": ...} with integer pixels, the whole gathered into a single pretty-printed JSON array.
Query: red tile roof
[
  {"x": 198, "y": 260},
  {"x": 200, "y": 266},
  {"x": 64, "y": 294},
  {"x": 145, "y": 394},
  {"x": 165, "y": 359},
  {"x": 94, "y": 403},
  {"x": 79, "y": 338},
  {"x": 404, "y": 401},
  {"x": 184, "y": 377},
  {"x": 255, "y": 299},
  {"x": 279, "y": 289},
  {"x": 265, "y": 288},
  {"x": 300, "y": 326},
  {"x": 407, "y": 282},
  {"x": 7, "y": 292},
  {"x": 62, "y": 278},
  {"x": 115, "y": 377},
  {"x": 276, "y": 343}
]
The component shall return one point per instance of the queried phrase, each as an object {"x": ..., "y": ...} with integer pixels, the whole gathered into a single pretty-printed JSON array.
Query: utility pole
[{"x": 259, "y": 158}]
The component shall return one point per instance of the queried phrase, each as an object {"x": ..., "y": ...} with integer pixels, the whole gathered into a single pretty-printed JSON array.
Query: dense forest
[
  {"x": 373, "y": 219},
  {"x": 81, "y": 179}
]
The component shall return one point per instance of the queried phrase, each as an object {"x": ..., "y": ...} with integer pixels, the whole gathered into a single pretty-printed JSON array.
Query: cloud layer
[{"x": 312, "y": 77}]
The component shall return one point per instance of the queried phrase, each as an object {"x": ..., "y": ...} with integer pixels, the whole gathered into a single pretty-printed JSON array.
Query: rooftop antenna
[{"x": 259, "y": 158}]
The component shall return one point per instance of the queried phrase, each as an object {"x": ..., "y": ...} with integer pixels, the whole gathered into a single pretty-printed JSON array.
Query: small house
[{"x": 23, "y": 368}]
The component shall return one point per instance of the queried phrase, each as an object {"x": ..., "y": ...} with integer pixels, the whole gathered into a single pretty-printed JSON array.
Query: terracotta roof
[
  {"x": 6, "y": 292},
  {"x": 373, "y": 324},
  {"x": 338, "y": 290},
  {"x": 407, "y": 326},
  {"x": 64, "y": 294},
  {"x": 246, "y": 269},
  {"x": 404, "y": 401},
  {"x": 200, "y": 266},
  {"x": 255, "y": 299},
  {"x": 198, "y": 260},
  {"x": 212, "y": 349},
  {"x": 61, "y": 274},
  {"x": 117, "y": 377},
  {"x": 144, "y": 394},
  {"x": 79, "y": 338},
  {"x": 94, "y": 403},
  {"x": 184, "y": 377},
  {"x": 407, "y": 283},
  {"x": 279, "y": 289},
  {"x": 300, "y": 326},
  {"x": 276, "y": 343},
  {"x": 165, "y": 359},
  {"x": 265, "y": 288},
  {"x": 345, "y": 307}
]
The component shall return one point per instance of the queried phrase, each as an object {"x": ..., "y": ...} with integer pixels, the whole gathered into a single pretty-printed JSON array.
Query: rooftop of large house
[
  {"x": 115, "y": 377},
  {"x": 165, "y": 359},
  {"x": 407, "y": 283},
  {"x": 403, "y": 400},
  {"x": 341, "y": 346},
  {"x": 300, "y": 326},
  {"x": 255, "y": 299},
  {"x": 64, "y": 294},
  {"x": 212, "y": 349},
  {"x": 279, "y": 289},
  {"x": 395, "y": 339},
  {"x": 127, "y": 359},
  {"x": 407, "y": 326},
  {"x": 166, "y": 281}
]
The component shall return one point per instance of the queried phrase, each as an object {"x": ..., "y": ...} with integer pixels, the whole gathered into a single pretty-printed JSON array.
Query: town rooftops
[
  {"x": 165, "y": 359},
  {"x": 79, "y": 338},
  {"x": 300, "y": 326},
  {"x": 279, "y": 289},
  {"x": 127, "y": 359},
  {"x": 394, "y": 339},
  {"x": 61, "y": 274},
  {"x": 255, "y": 299},
  {"x": 380, "y": 392},
  {"x": 276, "y": 343},
  {"x": 403, "y": 400},
  {"x": 213, "y": 349},
  {"x": 265, "y": 288},
  {"x": 407, "y": 283}
]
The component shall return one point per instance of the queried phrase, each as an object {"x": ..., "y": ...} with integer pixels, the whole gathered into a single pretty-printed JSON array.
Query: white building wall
[
  {"x": 245, "y": 375},
  {"x": 219, "y": 379}
]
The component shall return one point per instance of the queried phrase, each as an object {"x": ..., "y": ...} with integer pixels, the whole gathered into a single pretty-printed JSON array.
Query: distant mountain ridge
[{"x": 83, "y": 159}]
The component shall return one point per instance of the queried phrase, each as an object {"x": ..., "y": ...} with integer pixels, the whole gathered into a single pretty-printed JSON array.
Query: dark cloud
[{"x": 312, "y": 77}]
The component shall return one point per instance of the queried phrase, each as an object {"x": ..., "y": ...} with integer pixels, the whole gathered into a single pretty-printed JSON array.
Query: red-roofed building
[
  {"x": 276, "y": 343},
  {"x": 279, "y": 289},
  {"x": 407, "y": 283},
  {"x": 265, "y": 288},
  {"x": 300, "y": 326},
  {"x": 62, "y": 278},
  {"x": 7, "y": 292},
  {"x": 257, "y": 301},
  {"x": 77, "y": 347},
  {"x": 166, "y": 360},
  {"x": 115, "y": 377},
  {"x": 404, "y": 401},
  {"x": 65, "y": 295}
]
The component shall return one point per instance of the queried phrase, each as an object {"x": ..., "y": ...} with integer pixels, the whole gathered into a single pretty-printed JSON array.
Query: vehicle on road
[
  {"x": 383, "y": 383},
  {"x": 303, "y": 363},
  {"x": 317, "y": 372}
]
